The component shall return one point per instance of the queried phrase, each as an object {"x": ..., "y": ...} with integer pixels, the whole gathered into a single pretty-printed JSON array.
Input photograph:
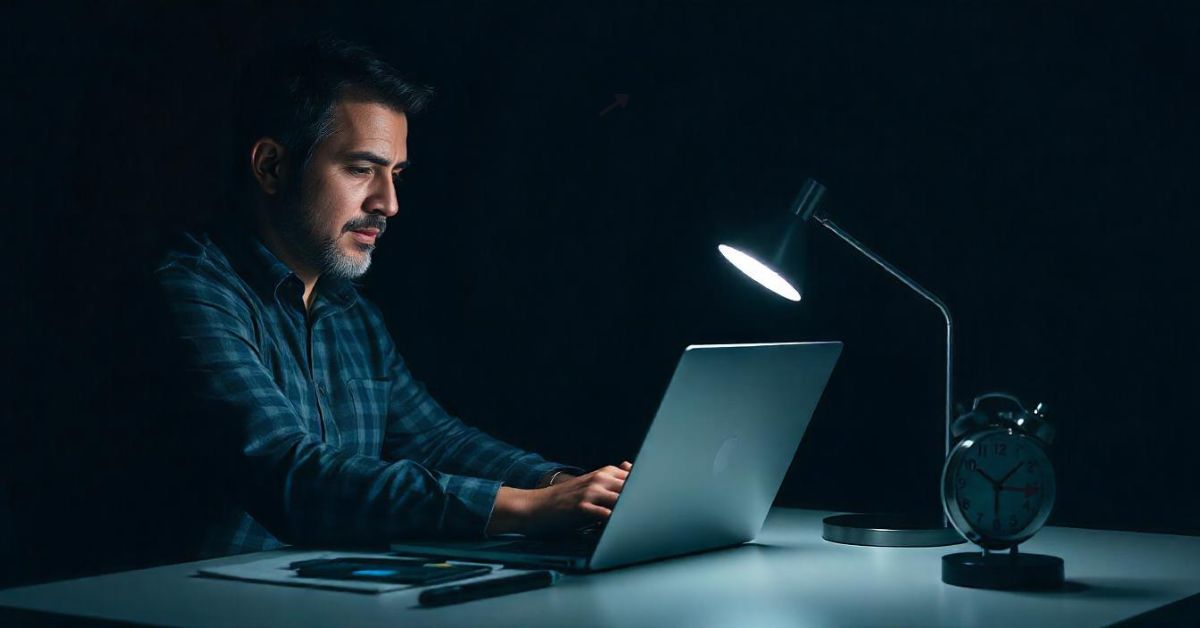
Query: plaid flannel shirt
[{"x": 315, "y": 430}]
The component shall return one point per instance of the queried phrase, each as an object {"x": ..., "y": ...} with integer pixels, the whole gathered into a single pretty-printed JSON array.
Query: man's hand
[{"x": 569, "y": 503}]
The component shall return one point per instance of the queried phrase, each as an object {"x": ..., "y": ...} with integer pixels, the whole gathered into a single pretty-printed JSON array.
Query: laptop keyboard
[{"x": 556, "y": 547}]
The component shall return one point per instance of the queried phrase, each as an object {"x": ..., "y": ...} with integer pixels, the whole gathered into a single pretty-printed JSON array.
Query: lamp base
[{"x": 889, "y": 531}]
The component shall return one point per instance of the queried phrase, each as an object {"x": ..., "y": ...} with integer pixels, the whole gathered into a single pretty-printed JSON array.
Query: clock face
[{"x": 998, "y": 488}]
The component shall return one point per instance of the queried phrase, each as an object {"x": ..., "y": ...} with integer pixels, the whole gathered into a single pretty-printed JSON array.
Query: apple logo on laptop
[{"x": 721, "y": 461}]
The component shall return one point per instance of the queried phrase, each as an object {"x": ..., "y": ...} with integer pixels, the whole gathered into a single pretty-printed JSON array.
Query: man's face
[{"x": 348, "y": 190}]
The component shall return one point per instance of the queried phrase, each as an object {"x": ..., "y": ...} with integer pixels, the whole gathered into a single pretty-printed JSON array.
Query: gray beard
[
  {"x": 297, "y": 227},
  {"x": 335, "y": 263}
]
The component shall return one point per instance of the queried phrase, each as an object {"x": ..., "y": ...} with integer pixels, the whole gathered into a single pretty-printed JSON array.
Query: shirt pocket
[{"x": 367, "y": 416}]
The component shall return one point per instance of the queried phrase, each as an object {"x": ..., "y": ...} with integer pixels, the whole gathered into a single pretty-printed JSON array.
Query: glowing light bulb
[{"x": 759, "y": 272}]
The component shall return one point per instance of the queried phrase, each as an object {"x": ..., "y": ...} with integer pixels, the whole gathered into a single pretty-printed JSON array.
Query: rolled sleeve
[{"x": 470, "y": 507}]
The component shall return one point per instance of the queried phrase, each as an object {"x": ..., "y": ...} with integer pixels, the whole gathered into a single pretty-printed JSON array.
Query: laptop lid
[{"x": 718, "y": 449}]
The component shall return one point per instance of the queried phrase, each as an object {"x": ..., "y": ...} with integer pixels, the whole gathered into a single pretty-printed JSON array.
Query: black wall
[{"x": 1032, "y": 163}]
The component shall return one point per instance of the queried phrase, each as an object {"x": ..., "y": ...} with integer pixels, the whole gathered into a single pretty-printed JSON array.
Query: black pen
[{"x": 455, "y": 593}]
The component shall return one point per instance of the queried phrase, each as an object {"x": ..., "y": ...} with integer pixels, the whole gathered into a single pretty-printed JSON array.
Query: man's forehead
[{"x": 369, "y": 127}]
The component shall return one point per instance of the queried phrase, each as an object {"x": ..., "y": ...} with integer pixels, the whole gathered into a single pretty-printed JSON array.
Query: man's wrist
[
  {"x": 510, "y": 512},
  {"x": 554, "y": 477}
]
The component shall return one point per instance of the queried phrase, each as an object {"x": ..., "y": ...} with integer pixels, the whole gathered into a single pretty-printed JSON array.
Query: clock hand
[
  {"x": 995, "y": 489},
  {"x": 1028, "y": 489},
  {"x": 1009, "y": 474},
  {"x": 989, "y": 478}
]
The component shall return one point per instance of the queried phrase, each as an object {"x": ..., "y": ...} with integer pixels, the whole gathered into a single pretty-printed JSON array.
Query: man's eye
[
  {"x": 398, "y": 179},
  {"x": 359, "y": 170}
]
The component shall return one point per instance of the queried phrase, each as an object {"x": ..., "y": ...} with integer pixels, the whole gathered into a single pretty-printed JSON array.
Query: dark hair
[{"x": 290, "y": 94}]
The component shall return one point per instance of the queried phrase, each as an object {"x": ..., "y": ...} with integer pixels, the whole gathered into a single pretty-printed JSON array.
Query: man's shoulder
[
  {"x": 190, "y": 251},
  {"x": 194, "y": 261},
  {"x": 364, "y": 305}
]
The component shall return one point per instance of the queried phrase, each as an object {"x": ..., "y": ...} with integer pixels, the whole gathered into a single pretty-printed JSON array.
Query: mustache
[{"x": 367, "y": 222}]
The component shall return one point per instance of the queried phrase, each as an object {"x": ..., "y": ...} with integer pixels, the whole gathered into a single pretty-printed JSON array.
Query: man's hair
[{"x": 290, "y": 94}]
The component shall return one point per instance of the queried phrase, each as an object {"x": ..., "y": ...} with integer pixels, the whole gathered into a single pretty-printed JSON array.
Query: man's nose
[{"x": 383, "y": 199}]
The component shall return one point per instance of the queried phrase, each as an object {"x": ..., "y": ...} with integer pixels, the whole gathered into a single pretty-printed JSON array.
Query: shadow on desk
[
  {"x": 15, "y": 617},
  {"x": 1110, "y": 588},
  {"x": 1185, "y": 612}
]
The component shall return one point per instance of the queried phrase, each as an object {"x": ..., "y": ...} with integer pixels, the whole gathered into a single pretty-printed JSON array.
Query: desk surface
[{"x": 788, "y": 577}]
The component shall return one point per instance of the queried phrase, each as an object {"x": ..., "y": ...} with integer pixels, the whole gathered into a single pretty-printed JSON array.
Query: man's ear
[{"x": 268, "y": 162}]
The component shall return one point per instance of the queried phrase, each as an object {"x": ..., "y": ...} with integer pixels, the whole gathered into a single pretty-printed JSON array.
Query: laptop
[{"x": 708, "y": 469}]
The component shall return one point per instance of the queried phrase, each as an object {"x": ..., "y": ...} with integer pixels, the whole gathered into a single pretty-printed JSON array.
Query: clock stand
[{"x": 1011, "y": 570}]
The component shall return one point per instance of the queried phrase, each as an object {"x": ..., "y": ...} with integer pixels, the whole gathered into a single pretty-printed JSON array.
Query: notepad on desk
[{"x": 282, "y": 570}]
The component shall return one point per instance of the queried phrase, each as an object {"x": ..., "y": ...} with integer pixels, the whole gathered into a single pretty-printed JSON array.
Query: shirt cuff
[
  {"x": 469, "y": 504},
  {"x": 526, "y": 475}
]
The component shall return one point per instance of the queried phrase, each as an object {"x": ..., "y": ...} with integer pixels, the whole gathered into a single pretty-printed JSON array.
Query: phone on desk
[{"x": 414, "y": 571}]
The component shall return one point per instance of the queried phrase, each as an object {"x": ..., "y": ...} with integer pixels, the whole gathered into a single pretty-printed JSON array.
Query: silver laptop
[{"x": 709, "y": 467}]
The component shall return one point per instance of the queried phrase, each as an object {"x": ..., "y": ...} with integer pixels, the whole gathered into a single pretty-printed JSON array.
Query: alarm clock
[{"x": 998, "y": 490}]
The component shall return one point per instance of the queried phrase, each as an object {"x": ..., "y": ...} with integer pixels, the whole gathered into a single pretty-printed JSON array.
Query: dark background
[{"x": 1030, "y": 162}]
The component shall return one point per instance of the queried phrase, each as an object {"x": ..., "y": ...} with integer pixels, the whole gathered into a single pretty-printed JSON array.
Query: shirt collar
[{"x": 268, "y": 275}]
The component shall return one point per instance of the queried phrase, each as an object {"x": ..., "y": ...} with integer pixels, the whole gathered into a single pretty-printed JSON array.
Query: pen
[{"x": 455, "y": 593}]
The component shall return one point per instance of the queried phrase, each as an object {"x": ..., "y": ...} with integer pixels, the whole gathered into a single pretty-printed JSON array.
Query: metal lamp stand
[{"x": 896, "y": 530}]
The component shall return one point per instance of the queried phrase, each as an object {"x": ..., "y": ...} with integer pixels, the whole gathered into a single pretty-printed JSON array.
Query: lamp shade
[
  {"x": 776, "y": 255},
  {"x": 776, "y": 263}
]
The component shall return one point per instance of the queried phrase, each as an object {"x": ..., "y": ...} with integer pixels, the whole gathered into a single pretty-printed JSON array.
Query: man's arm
[
  {"x": 301, "y": 489},
  {"x": 419, "y": 429}
]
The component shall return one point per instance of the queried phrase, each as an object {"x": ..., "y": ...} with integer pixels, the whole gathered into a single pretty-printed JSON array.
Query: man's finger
[
  {"x": 610, "y": 472},
  {"x": 627, "y": 465},
  {"x": 602, "y": 497},
  {"x": 598, "y": 511},
  {"x": 613, "y": 484}
]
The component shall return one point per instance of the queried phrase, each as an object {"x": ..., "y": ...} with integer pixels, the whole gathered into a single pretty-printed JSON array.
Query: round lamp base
[{"x": 889, "y": 531}]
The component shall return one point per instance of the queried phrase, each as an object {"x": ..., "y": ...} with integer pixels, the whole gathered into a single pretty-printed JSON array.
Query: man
[{"x": 315, "y": 430}]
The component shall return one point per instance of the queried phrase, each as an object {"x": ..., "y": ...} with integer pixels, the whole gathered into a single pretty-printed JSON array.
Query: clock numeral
[
  {"x": 1001, "y": 448},
  {"x": 1031, "y": 467},
  {"x": 971, "y": 466},
  {"x": 961, "y": 482},
  {"x": 966, "y": 504},
  {"x": 1012, "y": 521},
  {"x": 979, "y": 517},
  {"x": 983, "y": 451},
  {"x": 996, "y": 524}
]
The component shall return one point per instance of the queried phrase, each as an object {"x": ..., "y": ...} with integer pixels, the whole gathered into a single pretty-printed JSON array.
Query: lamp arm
[{"x": 932, "y": 298}]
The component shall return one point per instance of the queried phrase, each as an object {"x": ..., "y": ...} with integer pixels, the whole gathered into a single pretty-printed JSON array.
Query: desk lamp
[{"x": 776, "y": 259}]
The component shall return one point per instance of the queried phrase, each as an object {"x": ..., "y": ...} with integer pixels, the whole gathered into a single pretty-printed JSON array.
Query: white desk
[{"x": 789, "y": 577}]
